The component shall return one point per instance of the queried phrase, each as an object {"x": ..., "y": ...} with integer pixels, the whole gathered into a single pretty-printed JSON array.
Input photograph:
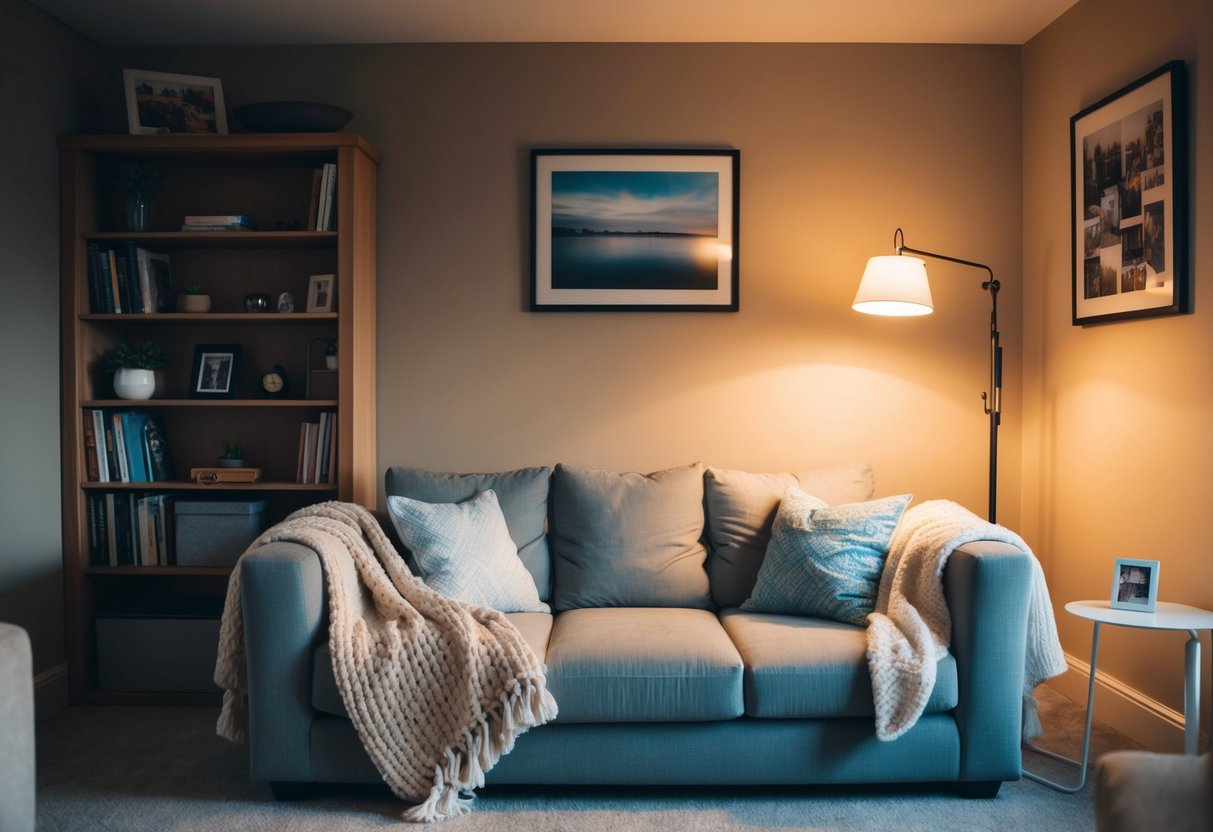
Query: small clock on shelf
[{"x": 275, "y": 383}]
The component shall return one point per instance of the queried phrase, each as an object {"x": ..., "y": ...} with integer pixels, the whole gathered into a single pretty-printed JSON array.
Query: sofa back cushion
[
  {"x": 627, "y": 539},
  {"x": 522, "y": 495},
  {"x": 741, "y": 508}
]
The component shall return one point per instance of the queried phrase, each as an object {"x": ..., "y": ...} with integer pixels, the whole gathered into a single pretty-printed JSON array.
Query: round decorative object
[
  {"x": 193, "y": 303},
  {"x": 292, "y": 117},
  {"x": 257, "y": 302},
  {"x": 134, "y": 383},
  {"x": 286, "y": 302},
  {"x": 275, "y": 382}
]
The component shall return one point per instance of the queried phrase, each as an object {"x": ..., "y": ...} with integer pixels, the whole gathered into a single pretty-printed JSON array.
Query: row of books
[
  {"x": 318, "y": 450},
  {"x": 125, "y": 446},
  {"x": 217, "y": 222},
  {"x": 127, "y": 529},
  {"x": 127, "y": 278},
  {"x": 322, "y": 211}
]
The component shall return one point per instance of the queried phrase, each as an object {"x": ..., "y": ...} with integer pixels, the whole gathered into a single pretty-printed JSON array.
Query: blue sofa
[{"x": 669, "y": 691}]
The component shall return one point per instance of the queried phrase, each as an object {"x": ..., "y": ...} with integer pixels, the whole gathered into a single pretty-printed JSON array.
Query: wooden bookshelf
[{"x": 269, "y": 178}]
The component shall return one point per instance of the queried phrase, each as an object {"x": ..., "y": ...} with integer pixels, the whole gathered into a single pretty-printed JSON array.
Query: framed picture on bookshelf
[
  {"x": 161, "y": 102},
  {"x": 215, "y": 368},
  {"x": 320, "y": 293}
]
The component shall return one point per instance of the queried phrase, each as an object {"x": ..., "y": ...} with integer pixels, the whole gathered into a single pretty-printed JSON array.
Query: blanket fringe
[
  {"x": 1031, "y": 719},
  {"x": 233, "y": 719}
]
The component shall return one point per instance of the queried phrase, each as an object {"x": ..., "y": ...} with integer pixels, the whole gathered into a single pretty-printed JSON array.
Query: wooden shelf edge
[
  {"x": 293, "y": 404},
  {"x": 187, "y": 485},
  {"x": 211, "y": 317},
  {"x": 274, "y": 144}
]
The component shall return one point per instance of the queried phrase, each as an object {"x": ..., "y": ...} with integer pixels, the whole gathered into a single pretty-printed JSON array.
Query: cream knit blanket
[
  {"x": 911, "y": 628},
  {"x": 438, "y": 690}
]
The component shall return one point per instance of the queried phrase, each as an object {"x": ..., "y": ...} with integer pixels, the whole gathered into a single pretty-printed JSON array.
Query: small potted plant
[
  {"x": 134, "y": 369},
  {"x": 194, "y": 299},
  {"x": 141, "y": 182},
  {"x": 330, "y": 355},
  {"x": 232, "y": 456}
]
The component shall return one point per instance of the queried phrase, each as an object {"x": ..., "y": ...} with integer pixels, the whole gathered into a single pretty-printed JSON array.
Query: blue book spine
[
  {"x": 103, "y": 277},
  {"x": 133, "y": 290},
  {"x": 96, "y": 297},
  {"x": 132, "y": 437}
]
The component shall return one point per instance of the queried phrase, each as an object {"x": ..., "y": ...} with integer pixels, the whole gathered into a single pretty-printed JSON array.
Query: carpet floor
[{"x": 130, "y": 769}]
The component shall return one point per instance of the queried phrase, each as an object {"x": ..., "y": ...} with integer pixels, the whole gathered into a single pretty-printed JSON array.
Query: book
[
  {"x": 314, "y": 204},
  {"x": 111, "y": 453},
  {"x": 218, "y": 219},
  {"x": 92, "y": 469},
  {"x": 319, "y": 456},
  {"x": 113, "y": 303},
  {"x": 130, "y": 271},
  {"x": 331, "y": 471},
  {"x": 299, "y": 459},
  {"x": 325, "y": 175},
  {"x": 217, "y": 226},
  {"x": 111, "y": 530},
  {"x": 155, "y": 280},
  {"x": 123, "y": 541},
  {"x": 122, "y": 303},
  {"x": 155, "y": 451},
  {"x": 103, "y": 467},
  {"x": 98, "y": 550},
  {"x": 132, "y": 437},
  {"x": 327, "y": 197},
  {"x": 96, "y": 294},
  {"x": 124, "y": 473}
]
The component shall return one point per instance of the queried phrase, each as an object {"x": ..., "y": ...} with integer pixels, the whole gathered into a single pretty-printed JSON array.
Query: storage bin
[
  {"x": 159, "y": 644},
  {"x": 216, "y": 532}
]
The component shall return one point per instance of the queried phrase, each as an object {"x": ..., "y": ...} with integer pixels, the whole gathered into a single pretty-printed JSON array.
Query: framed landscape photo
[
  {"x": 215, "y": 369},
  {"x": 320, "y": 293},
  {"x": 1129, "y": 201},
  {"x": 622, "y": 230},
  {"x": 160, "y": 102},
  {"x": 1135, "y": 585}
]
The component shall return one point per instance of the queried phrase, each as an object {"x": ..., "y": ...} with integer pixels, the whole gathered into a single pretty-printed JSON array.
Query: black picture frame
[
  {"x": 1129, "y": 202},
  {"x": 216, "y": 371},
  {"x": 635, "y": 230}
]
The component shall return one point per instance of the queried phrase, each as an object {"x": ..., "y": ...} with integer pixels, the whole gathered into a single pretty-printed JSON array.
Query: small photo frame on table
[
  {"x": 635, "y": 230},
  {"x": 1135, "y": 585},
  {"x": 320, "y": 292},
  {"x": 161, "y": 102},
  {"x": 1129, "y": 201},
  {"x": 215, "y": 371}
]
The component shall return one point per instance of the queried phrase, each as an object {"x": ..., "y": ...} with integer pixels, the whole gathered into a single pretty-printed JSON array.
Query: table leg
[
  {"x": 1086, "y": 730},
  {"x": 1192, "y": 693}
]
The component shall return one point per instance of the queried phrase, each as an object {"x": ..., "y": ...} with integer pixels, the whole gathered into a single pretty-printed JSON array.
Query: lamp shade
[{"x": 894, "y": 284}]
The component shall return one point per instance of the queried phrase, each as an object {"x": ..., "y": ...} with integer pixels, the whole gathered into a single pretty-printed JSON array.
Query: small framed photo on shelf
[
  {"x": 320, "y": 292},
  {"x": 1135, "y": 585},
  {"x": 160, "y": 102},
  {"x": 215, "y": 368}
]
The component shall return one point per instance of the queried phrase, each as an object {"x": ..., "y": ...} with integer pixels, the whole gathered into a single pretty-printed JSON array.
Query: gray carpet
[{"x": 134, "y": 769}]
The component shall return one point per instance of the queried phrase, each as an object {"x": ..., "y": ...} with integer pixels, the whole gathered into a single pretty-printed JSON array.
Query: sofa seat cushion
[
  {"x": 634, "y": 664},
  {"x": 536, "y": 628},
  {"x": 798, "y": 667}
]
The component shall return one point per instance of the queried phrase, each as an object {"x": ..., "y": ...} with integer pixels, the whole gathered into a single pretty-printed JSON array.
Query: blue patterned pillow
[
  {"x": 825, "y": 560},
  {"x": 464, "y": 551}
]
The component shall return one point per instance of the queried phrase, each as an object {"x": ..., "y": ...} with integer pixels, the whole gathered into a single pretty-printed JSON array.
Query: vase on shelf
[
  {"x": 134, "y": 383},
  {"x": 138, "y": 210},
  {"x": 193, "y": 303}
]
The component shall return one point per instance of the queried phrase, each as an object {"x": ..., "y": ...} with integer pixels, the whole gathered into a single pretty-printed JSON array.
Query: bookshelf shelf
[{"x": 269, "y": 178}]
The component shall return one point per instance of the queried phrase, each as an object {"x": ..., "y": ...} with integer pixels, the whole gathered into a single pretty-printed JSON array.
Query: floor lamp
[{"x": 897, "y": 285}]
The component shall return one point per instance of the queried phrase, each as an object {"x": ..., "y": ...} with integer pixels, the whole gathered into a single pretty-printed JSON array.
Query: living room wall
[
  {"x": 840, "y": 144},
  {"x": 47, "y": 74},
  {"x": 1118, "y": 441}
]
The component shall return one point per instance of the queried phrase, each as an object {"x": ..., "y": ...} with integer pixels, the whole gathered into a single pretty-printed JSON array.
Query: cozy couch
[{"x": 660, "y": 676}]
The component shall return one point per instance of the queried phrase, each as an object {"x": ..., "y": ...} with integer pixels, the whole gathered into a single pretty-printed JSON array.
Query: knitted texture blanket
[
  {"x": 910, "y": 630},
  {"x": 438, "y": 690}
]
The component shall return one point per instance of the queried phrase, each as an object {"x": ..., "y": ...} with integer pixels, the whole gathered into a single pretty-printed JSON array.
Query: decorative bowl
[{"x": 292, "y": 117}]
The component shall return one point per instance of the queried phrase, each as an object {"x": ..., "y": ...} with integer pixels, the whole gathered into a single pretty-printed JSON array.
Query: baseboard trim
[
  {"x": 50, "y": 692},
  {"x": 1142, "y": 719}
]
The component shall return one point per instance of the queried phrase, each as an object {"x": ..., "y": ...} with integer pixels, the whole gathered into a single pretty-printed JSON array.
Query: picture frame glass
[
  {"x": 162, "y": 102},
  {"x": 635, "y": 229},
  {"x": 1135, "y": 584},
  {"x": 321, "y": 293},
  {"x": 215, "y": 371},
  {"x": 1129, "y": 220}
]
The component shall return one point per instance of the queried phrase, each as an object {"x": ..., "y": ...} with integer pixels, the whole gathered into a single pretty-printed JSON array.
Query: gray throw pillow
[
  {"x": 522, "y": 494},
  {"x": 825, "y": 561},
  {"x": 628, "y": 540},
  {"x": 741, "y": 507}
]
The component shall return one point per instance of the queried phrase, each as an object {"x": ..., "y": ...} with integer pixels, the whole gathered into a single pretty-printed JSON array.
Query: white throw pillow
[{"x": 464, "y": 551}]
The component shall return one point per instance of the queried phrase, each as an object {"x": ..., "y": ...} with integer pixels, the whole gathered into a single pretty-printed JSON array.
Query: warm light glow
[{"x": 894, "y": 285}]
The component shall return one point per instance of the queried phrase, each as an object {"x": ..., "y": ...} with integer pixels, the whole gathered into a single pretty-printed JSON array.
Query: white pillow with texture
[{"x": 464, "y": 551}]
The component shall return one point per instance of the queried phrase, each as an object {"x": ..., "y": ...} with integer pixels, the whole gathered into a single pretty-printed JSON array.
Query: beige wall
[
  {"x": 46, "y": 88},
  {"x": 839, "y": 145},
  {"x": 1117, "y": 455}
]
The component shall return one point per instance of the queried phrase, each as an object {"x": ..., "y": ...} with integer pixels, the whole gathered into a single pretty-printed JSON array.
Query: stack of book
[
  {"x": 318, "y": 450},
  {"x": 127, "y": 529},
  {"x": 125, "y": 446},
  {"x": 322, "y": 213},
  {"x": 218, "y": 222},
  {"x": 128, "y": 279}
]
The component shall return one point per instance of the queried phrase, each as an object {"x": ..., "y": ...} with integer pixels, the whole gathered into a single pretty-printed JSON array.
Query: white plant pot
[
  {"x": 133, "y": 383},
  {"x": 330, "y": 362}
]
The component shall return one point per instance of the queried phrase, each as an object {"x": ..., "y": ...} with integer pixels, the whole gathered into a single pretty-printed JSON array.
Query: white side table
[{"x": 1166, "y": 616}]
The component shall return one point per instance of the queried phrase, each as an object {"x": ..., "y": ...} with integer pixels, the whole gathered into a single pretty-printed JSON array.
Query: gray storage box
[
  {"x": 159, "y": 645},
  {"x": 216, "y": 533}
]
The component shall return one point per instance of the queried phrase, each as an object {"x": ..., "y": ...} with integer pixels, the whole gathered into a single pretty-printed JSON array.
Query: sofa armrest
[
  {"x": 17, "y": 737},
  {"x": 987, "y": 588},
  {"x": 283, "y": 601}
]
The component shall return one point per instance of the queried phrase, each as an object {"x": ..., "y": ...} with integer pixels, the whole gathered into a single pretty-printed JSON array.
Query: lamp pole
[{"x": 992, "y": 398}]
